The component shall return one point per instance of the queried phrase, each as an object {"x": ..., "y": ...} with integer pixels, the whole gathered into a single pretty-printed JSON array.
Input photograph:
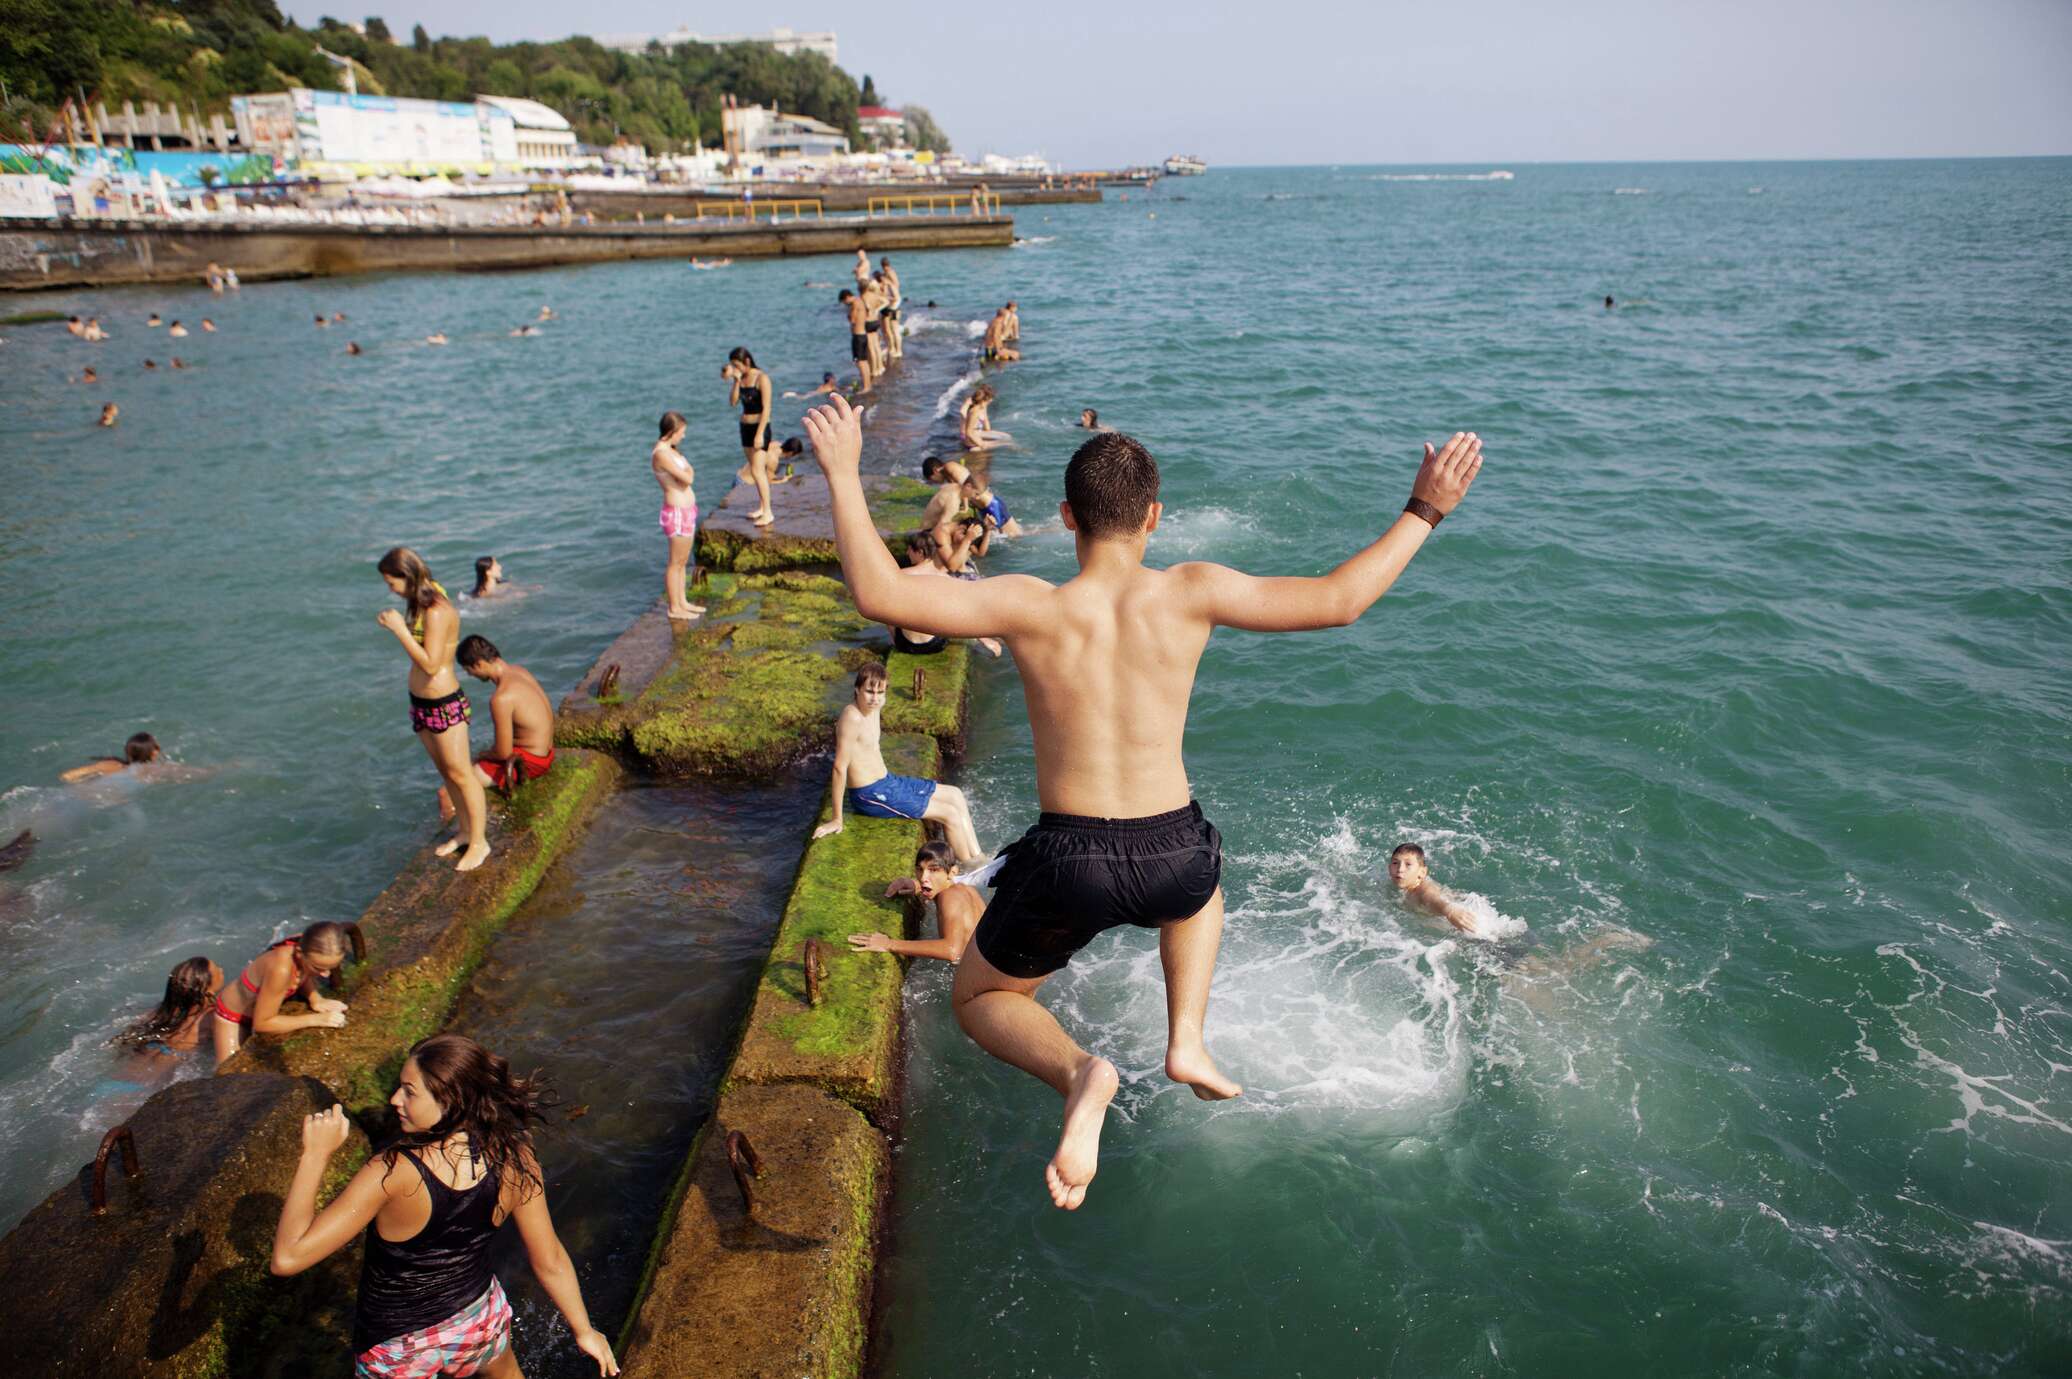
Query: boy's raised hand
[
  {"x": 836, "y": 430},
  {"x": 1443, "y": 478}
]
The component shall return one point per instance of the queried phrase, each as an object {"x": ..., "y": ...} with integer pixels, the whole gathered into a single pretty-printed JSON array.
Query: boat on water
[{"x": 1185, "y": 165}]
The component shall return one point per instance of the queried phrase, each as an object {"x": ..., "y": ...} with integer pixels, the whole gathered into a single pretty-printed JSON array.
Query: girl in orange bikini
[{"x": 252, "y": 1004}]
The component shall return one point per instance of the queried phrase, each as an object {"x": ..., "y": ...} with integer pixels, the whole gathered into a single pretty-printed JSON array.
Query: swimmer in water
[
  {"x": 141, "y": 750},
  {"x": 150, "y": 363},
  {"x": 527, "y": 329},
  {"x": 439, "y": 711},
  {"x": 827, "y": 385},
  {"x": 958, "y": 908},
  {"x": 864, "y": 784},
  {"x": 1108, "y": 662},
  {"x": 178, "y": 362},
  {"x": 208, "y": 327},
  {"x": 88, "y": 375},
  {"x": 182, "y": 1017},
  {"x": 437, "y": 337},
  {"x": 154, "y": 321},
  {"x": 353, "y": 347},
  {"x": 546, "y": 313},
  {"x": 176, "y": 330},
  {"x": 321, "y": 322},
  {"x": 1608, "y": 304},
  {"x": 679, "y": 513},
  {"x": 109, "y": 412},
  {"x": 1413, "y": 879},
  {"x": 489, "y": 577},
  {"x": 1090, "y": 420}
]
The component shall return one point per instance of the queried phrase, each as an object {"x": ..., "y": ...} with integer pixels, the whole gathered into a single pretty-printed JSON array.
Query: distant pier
[{"x": 73, "y": 252}]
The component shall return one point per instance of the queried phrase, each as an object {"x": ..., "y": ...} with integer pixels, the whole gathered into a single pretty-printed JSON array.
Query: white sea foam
[
  {"x": 950, "y": 394},
  {"x": 1629, "y": 191},
  {"x": 1035, "y": 239}
]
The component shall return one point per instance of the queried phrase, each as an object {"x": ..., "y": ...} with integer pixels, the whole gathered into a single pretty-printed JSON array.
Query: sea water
[
  {"x": 1735, "y": 696},
  {"x": 1750, "y": 644}
]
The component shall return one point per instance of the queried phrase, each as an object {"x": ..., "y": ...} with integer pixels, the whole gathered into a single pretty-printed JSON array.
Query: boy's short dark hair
[
  {"x": 477, "y": 650},
  {"x": 1408, "y": 849},
  {"x": 140, "y": 747},
  {"x": 931, "y": 466},
  {"x": 872, "y": 674},
  {"x": 792, "y": 446},
  {"x": 1111, "y": 484},
  {"x": 938, "y": 854}
]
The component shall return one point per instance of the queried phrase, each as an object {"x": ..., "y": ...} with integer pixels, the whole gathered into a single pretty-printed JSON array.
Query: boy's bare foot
[
  {"x": 1079, "y": 1148},
  {"x": 473, "y": 858},
  {"x": 1195, "y": 1068},
  {"x": 697, "y": 609},
  {"x": 681, "y": 614},
  {"x": 764, "y": 521},
  {"x": 449, "y": 847}
]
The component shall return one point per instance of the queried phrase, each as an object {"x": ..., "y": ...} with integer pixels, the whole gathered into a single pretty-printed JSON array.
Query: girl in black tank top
[{"x": 463, "y": 1164}]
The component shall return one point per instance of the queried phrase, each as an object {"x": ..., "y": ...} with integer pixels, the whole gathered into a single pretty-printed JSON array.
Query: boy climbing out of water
[
  {"x": 524, "y": 717},
  {"x": 866, "y": 787},
  {"x": 1108, "y": 661},
  {"x": 957, "y": 908},
  {"x": 1410, "y": 875}
]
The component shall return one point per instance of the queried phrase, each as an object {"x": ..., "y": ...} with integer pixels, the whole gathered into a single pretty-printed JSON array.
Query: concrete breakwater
[
  {"x": 840, "y": 196},
  {"x": 37, "y": 254},
  {"x": 752, "y": 686}
]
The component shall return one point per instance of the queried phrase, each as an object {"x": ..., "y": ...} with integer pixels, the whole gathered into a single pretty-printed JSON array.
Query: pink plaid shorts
[
  {"x": 460, "y": 1345},
  {"x": 680, "y": 521}
]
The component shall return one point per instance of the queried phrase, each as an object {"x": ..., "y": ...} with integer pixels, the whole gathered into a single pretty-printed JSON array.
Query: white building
[
  {"x": 542, "y": 137},
  {"x": 389, "y": 132},
  {"x": 886, "y": 127},
  {"x": 782, "y": 39},
  {"x": 760, "y": 131}
]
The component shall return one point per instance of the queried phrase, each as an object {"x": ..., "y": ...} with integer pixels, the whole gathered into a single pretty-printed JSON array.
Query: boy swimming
[
  {"x": 140, "y": 750},
  {"x": 1108, "y": 662},
  {"x": 866, "y": 787},
  {"x": 1411, "y": 876}
]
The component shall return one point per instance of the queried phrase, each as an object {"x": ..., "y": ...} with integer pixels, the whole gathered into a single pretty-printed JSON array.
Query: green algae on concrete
[
  {"x": 848, "y": 1046},
  {"x": 784, "y": 1290},
  {"x": 173, "y": 1282},
  {"x": 803, "y": 534},
  {"x": 753, "y": 685},
  {"x": 940, "y": 712},
  {"x": 427, "y": 932}
]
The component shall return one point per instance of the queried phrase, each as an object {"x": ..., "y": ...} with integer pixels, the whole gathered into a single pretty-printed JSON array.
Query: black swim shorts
[
  {"x": 1071, "y": 877},
  {"x": 859, "y": 347},
  {"x": 751, "y": 431}
]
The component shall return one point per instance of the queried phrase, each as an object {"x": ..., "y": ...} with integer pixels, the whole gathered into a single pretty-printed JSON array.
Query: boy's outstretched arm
[
  {"x": 1232, "y": 598},
  {"x": 998, "y": 607}
]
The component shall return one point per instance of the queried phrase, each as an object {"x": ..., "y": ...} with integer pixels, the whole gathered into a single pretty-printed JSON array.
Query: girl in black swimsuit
[{"x": 752, "y": 393}]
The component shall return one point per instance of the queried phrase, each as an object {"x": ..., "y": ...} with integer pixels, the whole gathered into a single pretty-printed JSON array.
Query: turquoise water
[{"x": 1752, "y": 640}]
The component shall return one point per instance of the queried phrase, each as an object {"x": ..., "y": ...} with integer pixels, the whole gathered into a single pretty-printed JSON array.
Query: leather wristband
[{"x": 1418, "y": 507}]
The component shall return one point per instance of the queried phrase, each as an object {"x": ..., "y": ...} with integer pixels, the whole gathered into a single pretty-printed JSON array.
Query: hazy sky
[{"x": 1097, "y": 82}]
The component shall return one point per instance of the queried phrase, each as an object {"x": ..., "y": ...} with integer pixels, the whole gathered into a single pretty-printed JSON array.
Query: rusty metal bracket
[
  {"x": 120, "y": 1135},
  {"x": 607, "y": 683},
  {"x": 747, "y": 1165},
  {"x": 920, "y": 685},
  {"x": 816, "y": 971}
]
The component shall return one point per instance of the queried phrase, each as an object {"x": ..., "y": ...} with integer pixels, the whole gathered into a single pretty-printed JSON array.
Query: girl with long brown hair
[
  {"x": 430, "y": 1203},
  {"x": 182, "y": 1017},
  {"x": 292, "y": 967},
  {"x": 439, "y": 711}
]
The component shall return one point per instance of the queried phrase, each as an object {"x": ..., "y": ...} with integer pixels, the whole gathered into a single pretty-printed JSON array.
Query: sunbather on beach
[
  {"x": 1108, "y": 661},
  {"x": 864, "y": 785},
  {"x": 679, "y": 513},
  {"x": 957, "y": 908}
]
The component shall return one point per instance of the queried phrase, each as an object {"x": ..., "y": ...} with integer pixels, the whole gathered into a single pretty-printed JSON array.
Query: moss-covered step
[
  {"x": 780, "y": 1292},
  {"x": 172, "y": 1282},
  {"x": 804, "y": 532},
  {"x": 849, "y": 1044},
  {"x": 939, "y": 709},
  {"x": 754, "y": 684},
  {"x": 427, "y": 932},
  {"x": 640, "y": 653}
]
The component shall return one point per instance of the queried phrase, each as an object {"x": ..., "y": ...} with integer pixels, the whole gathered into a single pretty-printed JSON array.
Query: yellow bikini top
[{"x": 417, "y": 622}]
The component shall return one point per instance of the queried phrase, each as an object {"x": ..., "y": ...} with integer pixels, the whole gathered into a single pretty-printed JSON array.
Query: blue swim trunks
[
  {"x": 891, "y": 797},
  {"x": 997, "y": 510}
]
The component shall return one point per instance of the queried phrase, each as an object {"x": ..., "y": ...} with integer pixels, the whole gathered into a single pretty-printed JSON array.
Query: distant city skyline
[{"x": 1095, "y": 84}]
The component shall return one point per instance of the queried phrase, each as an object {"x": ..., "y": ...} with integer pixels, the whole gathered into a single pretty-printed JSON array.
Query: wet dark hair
[
  {"x": 1111, "y": 483},
  {"x": 931, "y": 466},
  {"x": 872, "y": 674},
  {"x": 325, "y": 938},
  {"x": 921, "y": 543},
  {"x": 186, "y": 995},
  {"x": 141, "y": 747},
  {"x": 407, "y": 565},
  {"x": 479, "y": 1096},
  {"x": 844, "y": 295},
  {"x": 1409, "y": 850},
  {"x": 672, "y": 420},
  {"x": 938, "y": 854},
  {"x": 1090, "y": 414},
  {"x": 477, "y": 650},
  {"x": 740, "y": 355},
  {"x": 827, "y": 378},
  {"x": 792, "y": 446},
  {"x": 482, "y": 564}
]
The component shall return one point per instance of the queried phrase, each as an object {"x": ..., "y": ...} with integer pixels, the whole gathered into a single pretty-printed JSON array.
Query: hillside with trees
[{"x": 199, "y": 53}]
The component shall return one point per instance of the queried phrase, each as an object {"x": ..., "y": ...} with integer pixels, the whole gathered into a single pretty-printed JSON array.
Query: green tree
[
  {"x": 503, "y": 78},
  {"x": 923, "y": 132},
  {"x": 378, "y": 30},
  {"x": 420, "y": 40},
  {"x": 869, "y": 95}
]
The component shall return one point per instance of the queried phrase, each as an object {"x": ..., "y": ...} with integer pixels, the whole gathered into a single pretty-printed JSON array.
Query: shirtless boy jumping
[
  {"x": 864, "y": 784},
  {"x": 1108, "y": 661}
]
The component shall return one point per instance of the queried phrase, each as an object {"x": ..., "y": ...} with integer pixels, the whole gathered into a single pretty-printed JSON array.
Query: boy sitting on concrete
[{"x": 864, "y": 784}]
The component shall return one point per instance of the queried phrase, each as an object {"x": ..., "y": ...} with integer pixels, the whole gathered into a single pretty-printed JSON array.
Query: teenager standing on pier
[
  {"x": 753, "y": 394},
  {"x": 439, "y": 710}
]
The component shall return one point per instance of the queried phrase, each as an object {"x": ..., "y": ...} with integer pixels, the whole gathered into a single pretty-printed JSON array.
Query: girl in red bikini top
[{"x": 252, "y": 1004}]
